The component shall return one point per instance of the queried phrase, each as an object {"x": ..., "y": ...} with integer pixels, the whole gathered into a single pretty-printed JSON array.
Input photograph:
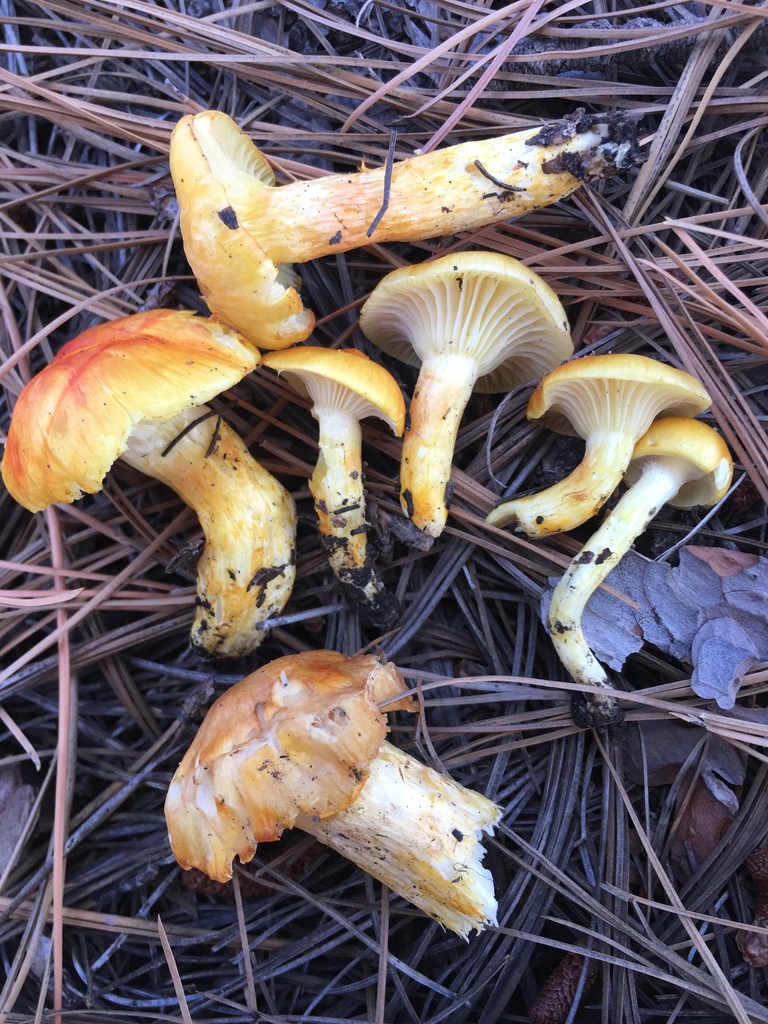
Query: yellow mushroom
[
  {"x": 345, "y": 387},
  {"x": 679, "y": 461},
  {"x": 610, "y": 401},
  {"x": 134, "y": 389}
]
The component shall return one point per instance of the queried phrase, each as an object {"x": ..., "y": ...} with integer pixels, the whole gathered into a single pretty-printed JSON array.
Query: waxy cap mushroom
[
  {"x": 237, "y": 226},
  {"x": 679, "y": 461},
  {"x": 133, "y": 389},
  {"x": 301, "y": 743},
  {"x": 470, "y": 320},
  {"x": 345, "y": 387},
  {"x": 610, "y": 401}
]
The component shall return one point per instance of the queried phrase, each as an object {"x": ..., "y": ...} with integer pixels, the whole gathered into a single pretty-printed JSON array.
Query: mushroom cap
[
  {"x": 74, "y": 418},
  {"x": 296, "y": 737},
  {"x": 239, "y": 281},
  {"x": 342, "y": 379},
  {"x": 701, "y": 452},
  {"x": 597, "y": 392},
  {"x": 480, "y": 305}
]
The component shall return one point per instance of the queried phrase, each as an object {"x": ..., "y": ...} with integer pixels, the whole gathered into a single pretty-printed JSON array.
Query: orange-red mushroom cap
[{"x": 74, "y": 418}]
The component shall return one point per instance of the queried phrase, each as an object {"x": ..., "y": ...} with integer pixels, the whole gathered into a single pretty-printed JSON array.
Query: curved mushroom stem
[
  {"x": 658, "y": 483},
  {"x": 572, "y": 501},
  {"x": 339, "y": 494},
  {"x": 442, "y": 391},
  {"x": 246, "y": 570},
  {"x": 420, "y": 833}
]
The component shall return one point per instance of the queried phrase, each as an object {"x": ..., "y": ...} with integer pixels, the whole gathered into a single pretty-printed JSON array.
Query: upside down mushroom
[
  {"x": 471, "y": 320},
  {"x": 678, "y": 461},
  {"x": 134, "y": 389},
  {"x": 300, "y": 743},
  {"x": 239, "y": 228}
]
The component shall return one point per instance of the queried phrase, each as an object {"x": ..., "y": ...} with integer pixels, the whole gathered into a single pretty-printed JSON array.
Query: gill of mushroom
[
  {"x": 134, "y": 389},
  {"x": 301, "y": 743},
  {"x": 470, "y": 320},
  {"x": 610, "y": 401},
  {"x": 238, "y": 228},
  {"x": 678, "y": 461},
  {"x": 345, "y": 387}
]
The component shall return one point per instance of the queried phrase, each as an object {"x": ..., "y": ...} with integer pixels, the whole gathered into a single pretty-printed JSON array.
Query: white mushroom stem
[
  {"x": 246, "y": 569},
  {"x": 572, "y": 501},
  {"x": 337, "y": 488},
  {"x": 420, "y": 833},
  {"x": 659, "y": 482},
  {"x": 442, "y": 391}
]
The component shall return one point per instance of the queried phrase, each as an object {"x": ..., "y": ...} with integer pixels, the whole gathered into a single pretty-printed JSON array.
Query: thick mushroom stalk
[
  {"x": 345, "y": 387},
  {"x": 301, "y": 743},
  {"x": 471, "y": 320},
  {"x": 679, "y": 461},
  {"x": 221, "y": 183},
  {"x": 129, "y": 388},
  {"x": 610, "y": 401},
  {"x": 246, "y": 570}
]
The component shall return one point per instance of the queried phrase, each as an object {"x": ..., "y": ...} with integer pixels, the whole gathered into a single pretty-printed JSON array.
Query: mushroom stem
[
  {"x": 578, "y": 497},
  {"x": 431, "y": 194},
  {"x": 246, "y": 570},
  {"x": 443, "y": 389},
  {"x": 660, "y": 480},
  {"x": 337, "y": 488},
  {"x": 420, "y": 833}
]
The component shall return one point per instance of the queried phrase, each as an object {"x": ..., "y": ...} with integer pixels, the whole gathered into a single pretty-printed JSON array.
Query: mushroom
[
  {"x": 237, "y": 227},
  {"x": 679, "y": 461},
  {"x": 301, "y": 743},
  {"x": 610, "y": 401},
  {"x": 345, "y": 387},
  {"x": 472, "y": 320},
  {"x": 241, "y": 284},
  {"x": 134, "y": 389}
]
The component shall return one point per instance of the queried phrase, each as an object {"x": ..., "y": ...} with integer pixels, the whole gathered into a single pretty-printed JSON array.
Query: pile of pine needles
[{"x": 98, "y": 683}]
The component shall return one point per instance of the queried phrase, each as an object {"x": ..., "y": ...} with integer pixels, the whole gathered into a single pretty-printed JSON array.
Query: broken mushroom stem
[
  {"x": 753, "y": 946},
  {"x": 679, "y": 461},
  {"x": 246, "y": 570},
  {"x": 301, "y": 743}
]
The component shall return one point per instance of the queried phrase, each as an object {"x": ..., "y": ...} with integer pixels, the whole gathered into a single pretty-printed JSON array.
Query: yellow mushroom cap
[
  {"x": 239, "y": 281},
  {"x": 294, "y": 738},
  {"x": 704, "y": 461},
  {"x": 609, "y": 391},
  {"x": 344, "y": 379},
  {"x": 481, "y": 305},
  {"x": 74, "y": 418}
]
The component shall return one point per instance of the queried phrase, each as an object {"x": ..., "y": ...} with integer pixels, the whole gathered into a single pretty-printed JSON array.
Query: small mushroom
[
  {"x": 133, "y": 389},
  {"x": 238, "y": 227},
  {"x": 301, "y": 743},
  {"x": 345, "y": 387},
  {"x": 610, "y": 401},
  {"x": 679, "y": 461},
  {"x": 470, "y": 320}
]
